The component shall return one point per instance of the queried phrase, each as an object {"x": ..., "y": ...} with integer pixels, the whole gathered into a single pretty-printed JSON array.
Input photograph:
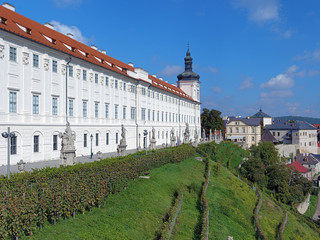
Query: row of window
[
  {"x": 237, "y": 130},
  {"x": 164, "y": 117},
  {"x": 144, "y": 91}
]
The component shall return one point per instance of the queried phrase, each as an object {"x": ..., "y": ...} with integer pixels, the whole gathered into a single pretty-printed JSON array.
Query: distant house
[
  {"x": 244, "y": 131},
  {"x": 310, "y": 161},
  {"x": 296, "y": 166},
  {"x": 264, "y": 118},
  {"x": 317, "y": 126},
  {"x": 268, "y": 137},
  {"x": 299, "y": 133}
]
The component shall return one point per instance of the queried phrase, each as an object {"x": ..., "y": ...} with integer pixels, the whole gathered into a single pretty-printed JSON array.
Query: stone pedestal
[
  {"x": 68, "y": 157},
  {"x": 152, "y": 145},
  {"x": 121, "y": 150},
  {"x": 123, "y": 142}
]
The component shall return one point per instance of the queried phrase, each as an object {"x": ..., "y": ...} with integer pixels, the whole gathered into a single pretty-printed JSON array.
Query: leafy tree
[
  {"x": 211, "y": 120},
  {"x": 253, "y": 170}
]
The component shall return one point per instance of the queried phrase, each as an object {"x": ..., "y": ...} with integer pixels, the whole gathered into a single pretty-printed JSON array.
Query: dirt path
[{"x": 317, "y": 212}]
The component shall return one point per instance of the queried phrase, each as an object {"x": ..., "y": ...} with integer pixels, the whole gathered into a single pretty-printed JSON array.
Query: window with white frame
[
  {"x": 36, "y": 143},
  {"x": 70, "y": 107},
  {"x": 106, "y": 107},
  {"x": 124, "y": 86},
  {"x": 143, "y": 114},
  {"x": 106, "y": 82},
  {"x": 153, "y": 115},
  {"x": 158, "y": 116},
  {"x": 13, "y": 54},
  {"x": 84, "y": 108},
  {"x": 35, "y": 104},
  {"x": 55, "y": 142},
  {"x": 13, "y": 145},
  {"x": 149, "y": 114},
  {"x": 132, "y": 88},
  {"x": 85, "y": 142},
  {"x": 97, "y": 139},
  {"x": 35, "y": 60},
  {"x": 116, "y": 111},
  {"x": 54, "y": 66},
  {"x": 96, "y": 78},
  {"x": 54, "y": 106},
  {"x": 96, "y": 109},
  {"x": 133, "y": 113},
  {"x": 117, "y": 136},
  {"x": 70, "y": 71},
  {"x": 124, "y": 112},
  {"x": 107, "y": 138},
  {"x": 84, "y": 75},
  {"x": 143, "y": 91},
  {"x": 116, "y": 84},
  {"x": 12, "y": 101}
]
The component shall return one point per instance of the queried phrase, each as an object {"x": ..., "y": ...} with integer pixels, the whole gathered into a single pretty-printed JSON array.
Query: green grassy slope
[
  {"x": 231, "y": 204},
  {"x": 137, "y": 212}
]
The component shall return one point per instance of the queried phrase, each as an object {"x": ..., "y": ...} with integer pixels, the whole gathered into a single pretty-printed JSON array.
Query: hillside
[
  {"x": 298, "y": 118},
  {"x": 138, "y": 212}
]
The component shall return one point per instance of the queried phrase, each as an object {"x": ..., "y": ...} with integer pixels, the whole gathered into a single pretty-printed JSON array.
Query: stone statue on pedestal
[
  {"x": 196, "y": 141},
  {"x": 203, "y": 134},
  {"x": 153, "y": 140},
  {"x": 186, "y": 134},
  {"x": 173, "y": 139},
  {"x": 210, "y": 134},
  {"x": 68, "y": 151},
  {"x": 121, "y": 149}
]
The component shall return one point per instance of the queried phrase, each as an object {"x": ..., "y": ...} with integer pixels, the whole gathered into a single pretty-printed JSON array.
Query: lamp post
[
  {"x": 145, "y": 134},
  {"x": 91, "y": 154},
  {"x": 139, "y": 142},
  {"x": 8, "y": 135}
]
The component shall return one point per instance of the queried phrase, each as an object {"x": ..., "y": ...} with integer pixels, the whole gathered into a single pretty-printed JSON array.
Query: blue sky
[{"x": 249, "y": 53}]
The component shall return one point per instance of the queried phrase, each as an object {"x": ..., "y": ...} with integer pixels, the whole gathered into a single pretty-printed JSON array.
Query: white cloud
[
  {"x": 282, "y": 80},
  {"x": 70, "y": 29},
  {"x": 313, "y": 73},
  {"x": 259, "y": 10},
  {"x": 216, "y": 89},
  {"x": 65, "y": 3},
  {"x": 288, "y": 34},
  {"x": 210, "y": 69},
  {"x": 247, "y": 83},
  {"x": 293, "y": 107},
  {"x": 309, "y": 55},
  {"x": 277, "y": 94},
  {"x": 171, "y": 70}
]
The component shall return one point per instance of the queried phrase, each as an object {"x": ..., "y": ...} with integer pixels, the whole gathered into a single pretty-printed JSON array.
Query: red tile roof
[
  {"x": 297, "y": 166},
  {"x": 16, "y": 23},
  {"x": 316, "y": 125}
]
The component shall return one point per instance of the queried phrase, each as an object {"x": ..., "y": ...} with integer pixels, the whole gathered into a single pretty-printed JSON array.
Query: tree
[{"x": 211, "y": 120}]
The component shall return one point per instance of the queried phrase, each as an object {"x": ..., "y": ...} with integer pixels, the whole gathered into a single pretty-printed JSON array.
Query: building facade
[{"x": 38, "y": 65}]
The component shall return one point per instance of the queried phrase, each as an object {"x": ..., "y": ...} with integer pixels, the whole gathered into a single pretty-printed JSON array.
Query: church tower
[{"x": 188, "y": 81}]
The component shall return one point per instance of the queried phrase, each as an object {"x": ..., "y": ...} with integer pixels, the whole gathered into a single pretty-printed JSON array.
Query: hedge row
[
  {"x": 256, "y": 210},
  {"x": 171, "y": 216},
  {"x": 28, "y": 200},
  {"x": 205, "y": 219}
]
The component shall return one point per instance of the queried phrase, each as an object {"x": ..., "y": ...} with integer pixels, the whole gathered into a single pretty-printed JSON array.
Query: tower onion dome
[{"x": 188, "y": 74}]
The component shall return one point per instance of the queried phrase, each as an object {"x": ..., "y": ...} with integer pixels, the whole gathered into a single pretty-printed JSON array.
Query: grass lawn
[
  {"x": 313, "y": 206},
  {"x": 270, "y": 218},
  {"x": 231, "y": 204},
  {"x": 137, "y": 212},
  {"x": 296, "y": 229}
]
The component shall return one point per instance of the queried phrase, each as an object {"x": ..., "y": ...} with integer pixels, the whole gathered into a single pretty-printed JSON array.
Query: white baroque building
[{"x": 102, "y": 94}]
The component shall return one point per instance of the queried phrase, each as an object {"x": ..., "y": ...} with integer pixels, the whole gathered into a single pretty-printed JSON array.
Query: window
[
  {"x": 107, "y": 81},
  {"x": 143, "y": 114},
  {"x": 116, "y": 138},
  {"x": 13, "y": 54},
  {"x": 84, "y": 108},
  {"x": 124, "y": 86},
  {"x": 70, "y": 107},
  {"x": 54, "y": 106},
  {"x": 35, "y": 104},
  {"x": 55, "y": 142},
  {"x": 278, "y": 134},
  {"x": 36, "y": 143},
  {"x": 85, "y": 143},
  {"x": 143, "y": 91},
  {"x": 133, "y": 113},
  {"x": 161, "y": 97},
  {"x": 115, "y": 111},
  {"x": 84, "y": 75},
  {"x": 274, "y": 133},
  {"x": 70, "y": 71},
  {"x": 13, "y": 145},
  {"x": 162, "y": 114},
  {"x": 153, "y": 115},
  {"x": 106, "y": 110},
  {"x": 12, "y": 102},
  {"x": 252, "y": 130},
  {"x": 96, "y": 78},
  {"x": 243, "y": 129},
  {"x": 149, "y": 93},
  {"x": 133, "y": 88},
  {"x": 54, "y": 66},
  {"x": 158, "y": 116},
  {"x": 252, "y": 138},
  {"x": 96, "y": 110},
  {"x": 116, "y": 84},
  {"x": 107, "y": 138},
  {"x": 230, "y": 129},
  {"x": 149, "y": 114},
  {"x": 124, "y": 112},
  {"x": 36, "y": 60},
  {"x": 166, "y": 116},
  {"x": 97, "y": 139}
]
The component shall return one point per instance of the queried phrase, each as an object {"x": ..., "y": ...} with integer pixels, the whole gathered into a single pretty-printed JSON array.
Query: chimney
[
  {"x": 9, "y": 6},
  {"x": 70, "y": 35},
  {"x": 49, "y": 25},
  {"x": 161, "y": 79},
  {"x": 131, "y": 64},
  {"x": 154, "y": 75},
  {"x": 94, "y": 47},
  {"x": 104, "y": 52}
]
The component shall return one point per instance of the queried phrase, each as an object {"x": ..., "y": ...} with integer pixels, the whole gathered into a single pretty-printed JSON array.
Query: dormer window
[{"x": 3, "y": 20}]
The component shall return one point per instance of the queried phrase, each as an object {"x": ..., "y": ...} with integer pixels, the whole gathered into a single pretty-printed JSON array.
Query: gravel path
[{"x": 317, "y": 212}]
